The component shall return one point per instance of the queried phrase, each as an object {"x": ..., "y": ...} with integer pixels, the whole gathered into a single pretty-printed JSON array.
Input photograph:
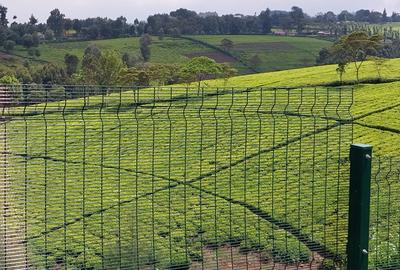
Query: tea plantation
[{"x": 152, "y": 179}]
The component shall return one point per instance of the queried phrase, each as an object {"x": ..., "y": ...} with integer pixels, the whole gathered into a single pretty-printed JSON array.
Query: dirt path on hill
[{"x": 231, "y": 258}]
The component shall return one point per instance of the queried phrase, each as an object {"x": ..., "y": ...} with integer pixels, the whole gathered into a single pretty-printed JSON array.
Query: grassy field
[
  {"x": 169, "y": 50},
  {"x": 298, "y": 52},
  {"x": 156, "y": 186}
]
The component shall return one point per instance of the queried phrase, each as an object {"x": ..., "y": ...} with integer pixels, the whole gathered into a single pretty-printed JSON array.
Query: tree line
[{"x": 178, "y": 22}]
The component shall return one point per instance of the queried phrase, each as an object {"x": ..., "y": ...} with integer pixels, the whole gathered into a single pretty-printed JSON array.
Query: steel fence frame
[{"x": 103, "y": 177}]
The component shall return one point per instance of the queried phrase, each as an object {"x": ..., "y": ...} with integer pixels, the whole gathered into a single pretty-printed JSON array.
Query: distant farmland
[{"x": 297, "y": 52}]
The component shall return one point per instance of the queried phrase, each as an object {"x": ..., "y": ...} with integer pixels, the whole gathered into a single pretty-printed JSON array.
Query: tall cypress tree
[
  {"x": 384, "y": 16},
  {"x": 3, "y": 16}
]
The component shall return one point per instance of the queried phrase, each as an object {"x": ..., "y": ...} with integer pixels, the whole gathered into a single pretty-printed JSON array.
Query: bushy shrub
[
  {"x": 9, "y": 45},
  {"x": 49, "y": 35},
  {"x": 9, "y": 79},
  {"x": 34, "y": 52},
  {"x": 27, "y": 40},
  {"x": 12, "y": 89},
  {"x": 327, "y": 265}
]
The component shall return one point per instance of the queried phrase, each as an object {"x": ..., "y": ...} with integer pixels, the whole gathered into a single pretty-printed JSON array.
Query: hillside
[
  {"x": 297, "y": 52},
  {"x": 161, "y": 177},
  {"x": 376, "y": 106}
]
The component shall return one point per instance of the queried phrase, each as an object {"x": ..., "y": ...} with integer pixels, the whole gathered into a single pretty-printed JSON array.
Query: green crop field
[
  {"x": 298, "y": 52},
  {"x": 169, "y": 50},
  {"x": 156, "y": 179},
  {"x": 393, "y": 25},
  {"x": 388, "y": 30}
]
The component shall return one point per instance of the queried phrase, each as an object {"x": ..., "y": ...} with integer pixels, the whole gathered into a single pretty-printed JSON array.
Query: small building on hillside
[{"x": 323, "y": 33}]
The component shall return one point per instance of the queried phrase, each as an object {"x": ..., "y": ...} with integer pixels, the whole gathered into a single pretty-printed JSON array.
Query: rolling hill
[
  {"x": 159, "y": 177},
  {"x": 297, "y": 52}
]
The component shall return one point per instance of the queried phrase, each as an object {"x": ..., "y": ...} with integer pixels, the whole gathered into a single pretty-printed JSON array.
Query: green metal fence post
[{"x": 359, "y": 207}]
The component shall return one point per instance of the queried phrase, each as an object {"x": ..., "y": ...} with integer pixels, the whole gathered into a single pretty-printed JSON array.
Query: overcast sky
[{"x": 132, "y": 9}]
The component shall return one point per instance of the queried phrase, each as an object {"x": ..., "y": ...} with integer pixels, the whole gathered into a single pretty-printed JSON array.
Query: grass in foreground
[{"x": 155, "y": 184}]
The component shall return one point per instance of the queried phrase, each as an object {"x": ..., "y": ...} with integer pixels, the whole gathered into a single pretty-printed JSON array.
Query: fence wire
[
  {"x": 385, "y": 214},
  {"x": 174, "y": 178}
]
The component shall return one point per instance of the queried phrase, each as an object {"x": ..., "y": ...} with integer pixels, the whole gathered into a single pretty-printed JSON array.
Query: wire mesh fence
[
  {"x": 174, "y": 178},
  {"x": 385, "y": 214}
]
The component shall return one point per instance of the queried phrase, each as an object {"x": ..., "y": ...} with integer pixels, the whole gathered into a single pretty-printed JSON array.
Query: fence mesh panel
[
  {"x": 174, "y": 178},
  {"x": 385, "y": 214}
]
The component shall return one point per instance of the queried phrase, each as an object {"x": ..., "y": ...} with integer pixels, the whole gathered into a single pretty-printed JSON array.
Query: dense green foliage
[
  {"x": 200, "y": 68},
  {"x": 71, "y": 63},
  {"x": 9, "y": 45},
  {"x": 357, "y": 47},
  {"x": 9, "y": 80},
  {"x": 145, "y": 42}
]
